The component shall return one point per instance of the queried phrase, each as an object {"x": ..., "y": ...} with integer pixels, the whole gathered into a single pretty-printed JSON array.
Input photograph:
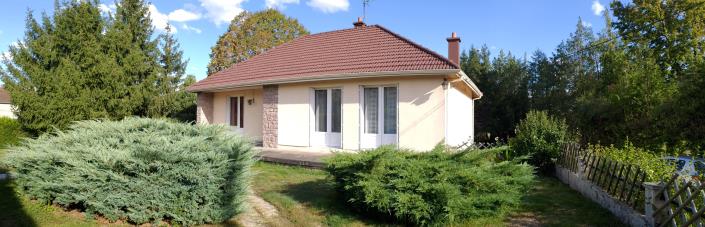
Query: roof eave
[
  {"x": 471, "y": 84},
  {"x": 328, "y": 77}
]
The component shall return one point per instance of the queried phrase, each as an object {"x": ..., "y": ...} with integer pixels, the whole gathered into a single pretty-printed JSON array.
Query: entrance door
[
  {"x": 326, "y": 126},
  {"x": 378, "y": 116}
]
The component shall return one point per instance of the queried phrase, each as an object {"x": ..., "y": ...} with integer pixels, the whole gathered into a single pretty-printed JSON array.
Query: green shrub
[
  {"x": 651, "y": 163},
  {"x": 539, "y": 137},
  {"x": 10, "y": 132},
  {"x": 140, "y": 170},
  {"x": 430, "y": 188}
]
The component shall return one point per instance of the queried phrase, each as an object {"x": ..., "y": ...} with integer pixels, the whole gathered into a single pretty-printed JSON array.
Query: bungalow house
[
  {"x": 5, "y": 104},
  {"x": 350, "y": 89}
]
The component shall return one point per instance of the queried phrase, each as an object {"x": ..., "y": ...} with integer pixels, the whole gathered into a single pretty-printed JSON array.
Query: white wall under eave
[
  {"x": 6, "y": 111},
  {"x": 460, "y": 118}
]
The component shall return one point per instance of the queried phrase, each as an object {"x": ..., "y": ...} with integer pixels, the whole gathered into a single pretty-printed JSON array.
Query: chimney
[
  {"x": 454, "y": 48},
  {"x": 359, "y": 23}
]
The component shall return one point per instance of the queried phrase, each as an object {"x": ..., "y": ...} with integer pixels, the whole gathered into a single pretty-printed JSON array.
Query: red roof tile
[
  {"x": 357, "y": 50},
  {"x": 5, "y": 96}
]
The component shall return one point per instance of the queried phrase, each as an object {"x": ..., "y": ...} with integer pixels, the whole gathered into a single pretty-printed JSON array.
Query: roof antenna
[{"x": 365, "y": 3}]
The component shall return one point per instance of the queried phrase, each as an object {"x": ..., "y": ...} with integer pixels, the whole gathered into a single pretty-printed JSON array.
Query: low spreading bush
[
  {"x": 139, "y": 170},
  {"x": 539, "y": 137},
  {"x": 430, "y": 188},
  {"x": 10, "y": 132},
  {"x": 653, "y": 164}
]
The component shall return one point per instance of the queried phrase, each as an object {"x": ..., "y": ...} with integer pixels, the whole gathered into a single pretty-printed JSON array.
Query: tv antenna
[{"x": 365, "y": 3}]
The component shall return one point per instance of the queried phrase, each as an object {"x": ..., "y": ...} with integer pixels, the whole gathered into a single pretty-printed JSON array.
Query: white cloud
[
  {"x": 329, "y": 6},
  {"x": 189, "y": 28},
  {"x": 222, "y": 11},
  {"x": 279, "y": 4},
  {"x": 587, "y": 24},
  {"x": 182, "y": 15},
  {"x": 159, "y": 20},
  {"x": 597, "y": 8}
]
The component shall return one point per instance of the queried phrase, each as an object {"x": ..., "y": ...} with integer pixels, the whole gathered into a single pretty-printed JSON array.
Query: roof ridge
[{"x": 431, "y": 52}]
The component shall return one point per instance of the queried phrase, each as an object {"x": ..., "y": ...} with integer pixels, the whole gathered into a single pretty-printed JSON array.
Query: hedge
[
  {"x": 430, "y": 188},
  {"x": 140, "y": 170}
]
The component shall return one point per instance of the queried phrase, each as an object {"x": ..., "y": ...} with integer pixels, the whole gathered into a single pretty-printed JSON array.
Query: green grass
[{"x": 306, "y": 197}]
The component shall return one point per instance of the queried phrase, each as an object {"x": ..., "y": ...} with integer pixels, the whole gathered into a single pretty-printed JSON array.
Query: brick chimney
[
  {"x": 454, "y": 48},
  {"x": 359, "y": 23}
]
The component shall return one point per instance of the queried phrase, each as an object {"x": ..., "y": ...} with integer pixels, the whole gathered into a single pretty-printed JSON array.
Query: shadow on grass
[
  {"x": 553, "y": 203},
  {"x": 12, "y": 213},
  {"x": 321, "y": 195}
]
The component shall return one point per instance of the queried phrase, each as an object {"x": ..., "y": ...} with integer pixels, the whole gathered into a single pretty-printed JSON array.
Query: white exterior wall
[
  {"x": 6, "y": 111},
  {"x": 421, "y": 113},
  {"x": 461, "y": 125},
  {"x": 253, "y": 112}
]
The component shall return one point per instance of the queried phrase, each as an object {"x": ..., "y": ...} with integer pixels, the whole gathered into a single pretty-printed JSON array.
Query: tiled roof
[
  {"x": 366, "y": 49},
  {"x": 5, "y": 96}
]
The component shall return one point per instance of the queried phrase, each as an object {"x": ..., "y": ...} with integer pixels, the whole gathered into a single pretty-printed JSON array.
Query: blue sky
[{"x": 519, "y": 26}]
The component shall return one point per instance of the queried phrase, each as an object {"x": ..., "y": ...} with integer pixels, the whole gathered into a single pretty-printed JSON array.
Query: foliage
[
  {"x": 138, "y": 169},
  {"x": 650, "y": 162},
  {"x": 504, "y": 81},
  {"x": 251, "y": 34},
  {"x": 430, "y": 188},
  {"x": 540, "y": 137},
  {"x": 640, "y": 79},
  {"x": 673, "y": 31},
  {"x": 10, "y": 132},
  {"x": 80, "y": 64}
]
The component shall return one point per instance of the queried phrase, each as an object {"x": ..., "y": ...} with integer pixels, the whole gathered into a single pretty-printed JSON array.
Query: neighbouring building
[
  {"x": 348, "y": 89},
  {"x": 5, "y": 104}
]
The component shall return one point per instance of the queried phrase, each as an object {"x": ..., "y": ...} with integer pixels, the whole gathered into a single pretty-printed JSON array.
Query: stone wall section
[{"x": 270, "y": 115}]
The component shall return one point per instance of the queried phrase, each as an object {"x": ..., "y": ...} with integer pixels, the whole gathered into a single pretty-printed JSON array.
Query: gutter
[{"x": 340, "y": 76}]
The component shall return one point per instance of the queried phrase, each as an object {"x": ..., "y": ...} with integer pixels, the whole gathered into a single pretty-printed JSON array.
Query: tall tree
[
  {"x": 60, "y": 72},
  {"x": 78, "y": 65},
  {"x": 673, "y": 29},
  {"x": 131, "y": 44},
  {"x": 250, "y": 34},
  {"x": 170, "y": 94}
]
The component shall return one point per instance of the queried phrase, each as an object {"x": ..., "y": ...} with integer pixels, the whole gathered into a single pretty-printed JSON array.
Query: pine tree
[
  {"x": 168, "y": 97},
  {"x": 59, "y": 73},
  {"x": 130, "y": 43},
  {"x": 250, "y": 34}
]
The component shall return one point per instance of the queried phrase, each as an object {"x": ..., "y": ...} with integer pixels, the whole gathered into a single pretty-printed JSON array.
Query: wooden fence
[
  {"x": 622, "y": 181},
  {"x": 680, "y": 202}
]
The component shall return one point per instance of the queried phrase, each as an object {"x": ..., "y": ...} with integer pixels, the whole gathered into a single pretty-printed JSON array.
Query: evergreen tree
[
  {"x": 130, "y": 43},
  {"x": 59, "y": 72},
  {"x": 250, "y": 34},
  {"x": 77, "y": 64},
  {"x": 170, "y": 96}
]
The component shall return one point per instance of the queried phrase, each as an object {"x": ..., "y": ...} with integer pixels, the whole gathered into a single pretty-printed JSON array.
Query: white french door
[
  {"x": 326, "y": 118},
  {"x": 378, "y": 116}
]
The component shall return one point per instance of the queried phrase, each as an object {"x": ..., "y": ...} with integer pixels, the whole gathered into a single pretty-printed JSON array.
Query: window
[
  {"x": 237, "y": 111},
  {"x": 321, "y": 110},
  {"x": 336, "y": 110},
  {"x": 371, "y": 109},
  {"x": 390, "y": 110}
]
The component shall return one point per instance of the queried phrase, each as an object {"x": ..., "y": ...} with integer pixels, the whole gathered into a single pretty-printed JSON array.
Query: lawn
[{"x": 306, "y": 197}]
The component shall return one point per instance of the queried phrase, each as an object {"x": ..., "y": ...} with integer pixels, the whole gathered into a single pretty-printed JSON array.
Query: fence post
[{"x": 652, "y": 200}]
